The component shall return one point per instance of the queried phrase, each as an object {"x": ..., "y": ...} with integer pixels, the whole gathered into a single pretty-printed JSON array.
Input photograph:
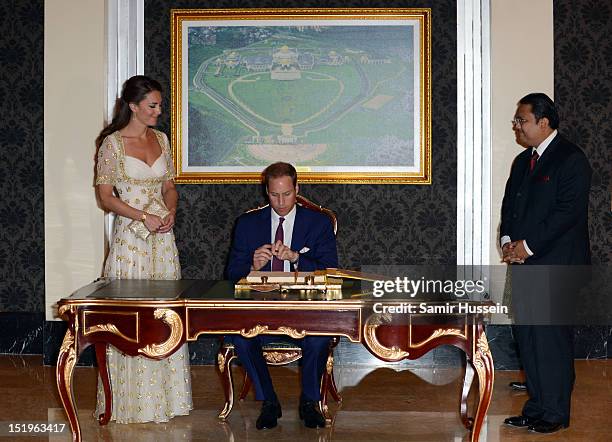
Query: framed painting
[{"x": 342, "y": 94}]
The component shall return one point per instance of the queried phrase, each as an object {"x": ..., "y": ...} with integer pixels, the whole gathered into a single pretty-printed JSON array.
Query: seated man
[{"x": 283, "y": 237}]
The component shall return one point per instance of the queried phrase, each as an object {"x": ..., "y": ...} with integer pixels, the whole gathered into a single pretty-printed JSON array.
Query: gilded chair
[{"x": 280, "y": 353}]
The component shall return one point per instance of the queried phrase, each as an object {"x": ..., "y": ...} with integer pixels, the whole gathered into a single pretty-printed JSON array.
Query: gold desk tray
[
  {"x": 321, "y": 280},
  {"x": 285, "y": 281}
]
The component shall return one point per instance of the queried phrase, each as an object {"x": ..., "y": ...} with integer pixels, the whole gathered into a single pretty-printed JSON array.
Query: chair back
[{"x": 305, "y": 202}]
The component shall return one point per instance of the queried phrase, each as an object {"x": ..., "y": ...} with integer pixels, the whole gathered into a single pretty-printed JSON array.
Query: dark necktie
[
  {"x": 277, "y": 264},
  {"x": 534, "y": 160}
]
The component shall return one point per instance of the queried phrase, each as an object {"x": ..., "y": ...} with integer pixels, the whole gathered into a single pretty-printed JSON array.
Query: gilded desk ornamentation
[
  {"x": 387, "y": 353},
  {"x": 173, "y": 320}
]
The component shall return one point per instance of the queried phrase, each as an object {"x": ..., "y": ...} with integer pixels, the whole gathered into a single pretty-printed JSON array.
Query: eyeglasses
[{"x": 518, "y": 121}]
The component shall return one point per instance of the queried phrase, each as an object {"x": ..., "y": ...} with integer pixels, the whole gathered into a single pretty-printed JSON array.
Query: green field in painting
[
  {"x": 287, "y": 102},
  {"x": 309, "y": 100}
]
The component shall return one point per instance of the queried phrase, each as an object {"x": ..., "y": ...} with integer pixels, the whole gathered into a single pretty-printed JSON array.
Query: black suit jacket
[{"x": 549, "y": 206}]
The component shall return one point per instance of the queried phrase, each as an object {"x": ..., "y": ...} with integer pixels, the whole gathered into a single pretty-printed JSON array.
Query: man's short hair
[
  {"x": 277, "y": 170},
  {"x": 542, "y": 107}
]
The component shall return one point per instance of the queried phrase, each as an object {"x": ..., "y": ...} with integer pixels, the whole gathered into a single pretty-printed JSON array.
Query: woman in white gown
[{"x": 134, "y": 173}]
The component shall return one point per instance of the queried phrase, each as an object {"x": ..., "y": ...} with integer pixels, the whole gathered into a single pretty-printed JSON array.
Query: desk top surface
[
  {"x": 209, "y": 290},
  {"x": 198, "y": 289}
]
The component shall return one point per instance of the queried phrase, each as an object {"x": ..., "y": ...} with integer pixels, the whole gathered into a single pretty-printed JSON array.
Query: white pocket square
[{"x": 304, "y": 250}]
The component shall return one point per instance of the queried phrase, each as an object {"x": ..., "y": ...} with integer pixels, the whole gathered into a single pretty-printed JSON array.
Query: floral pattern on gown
[{"x": 144, "y": 390}]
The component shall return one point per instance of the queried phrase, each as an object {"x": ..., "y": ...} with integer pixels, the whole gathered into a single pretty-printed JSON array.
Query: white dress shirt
[{"x": 287, "y": 230}]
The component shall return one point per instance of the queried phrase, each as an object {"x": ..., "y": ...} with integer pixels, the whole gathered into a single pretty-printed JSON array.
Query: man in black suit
[{"x": 544, "y": 223}]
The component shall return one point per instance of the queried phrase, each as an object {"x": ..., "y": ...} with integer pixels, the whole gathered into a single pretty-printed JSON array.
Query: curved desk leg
[
  {"x": 468, "y": 378},
  {"x": 332, "y": 381},
  {"x": 333, "y": 390},
  {"x": 483, "y": 363},
  {"x": 224, "y": 362},
  {"x": 66, "y": 361},
  {"x": 325, "y": 387},
  {"x": 246, "y": 386},
  {"x": 104, "y": 418}
]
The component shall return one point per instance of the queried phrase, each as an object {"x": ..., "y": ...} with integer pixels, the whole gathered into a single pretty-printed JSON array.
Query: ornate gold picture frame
[{"x": 343, "y": 94}]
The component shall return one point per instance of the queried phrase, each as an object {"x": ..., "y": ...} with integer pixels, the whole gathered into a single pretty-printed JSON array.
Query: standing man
[
  {"x": 282, "y": 237},
  {"x": 545, "y": 222}
]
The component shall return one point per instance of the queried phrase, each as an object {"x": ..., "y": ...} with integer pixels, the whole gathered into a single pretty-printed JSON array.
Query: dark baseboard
[
  {"x": 22, "y": 333},
  {"x": 54, "y": 335},
  {"x": 503, "y": 348}
]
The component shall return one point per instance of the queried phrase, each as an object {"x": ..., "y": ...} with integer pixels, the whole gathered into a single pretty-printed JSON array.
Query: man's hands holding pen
[{"x": 265, "y": 253}]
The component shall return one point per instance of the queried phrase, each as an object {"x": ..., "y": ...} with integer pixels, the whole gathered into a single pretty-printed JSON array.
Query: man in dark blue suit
[
  {"x": 283, "y": 237},
  {"x": 544, "y": 226}
]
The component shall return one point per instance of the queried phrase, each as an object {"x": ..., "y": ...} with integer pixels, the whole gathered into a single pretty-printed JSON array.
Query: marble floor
[{"x": 381, "y": 404}]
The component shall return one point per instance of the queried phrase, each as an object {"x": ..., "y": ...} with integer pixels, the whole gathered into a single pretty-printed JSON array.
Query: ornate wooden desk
[{"x": 154, "y": 318}]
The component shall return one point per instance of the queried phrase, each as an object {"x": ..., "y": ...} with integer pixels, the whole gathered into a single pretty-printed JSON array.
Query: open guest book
[{"x": 317, "y": 277}]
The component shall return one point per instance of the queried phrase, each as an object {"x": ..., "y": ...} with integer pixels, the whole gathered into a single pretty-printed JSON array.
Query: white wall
[
  {"x": 522, "y": 61},
  {"x": 74, "y": 84}
]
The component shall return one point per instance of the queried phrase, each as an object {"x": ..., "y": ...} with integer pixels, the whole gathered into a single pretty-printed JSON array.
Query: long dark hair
[{"x": 134, "y": 91}]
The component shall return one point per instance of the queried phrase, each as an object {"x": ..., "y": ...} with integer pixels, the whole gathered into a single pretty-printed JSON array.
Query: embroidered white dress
[{"x": 144, "y": 390}]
